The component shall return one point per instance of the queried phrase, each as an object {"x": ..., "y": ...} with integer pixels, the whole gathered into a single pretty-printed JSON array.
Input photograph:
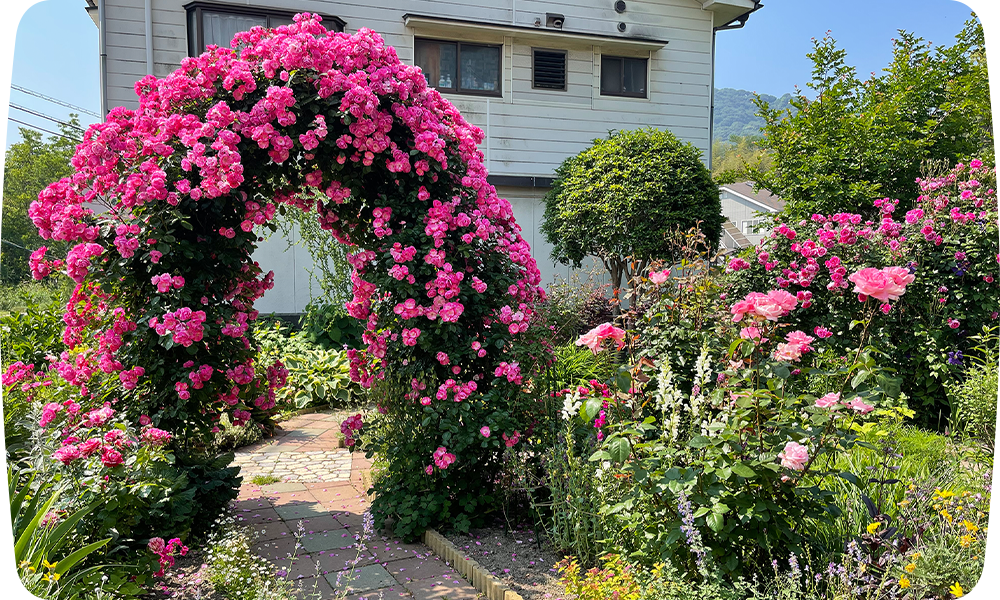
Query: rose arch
[{"x": 326, "y": 122}]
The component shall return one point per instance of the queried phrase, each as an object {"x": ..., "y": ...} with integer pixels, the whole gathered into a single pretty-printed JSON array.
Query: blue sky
[{"x": 57, "y": 43}]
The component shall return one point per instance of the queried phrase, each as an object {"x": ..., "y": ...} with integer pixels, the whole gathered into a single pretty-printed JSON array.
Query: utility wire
[
  {"x": 55, "y": 100},
  {"x": 43, "y": 130},
  {"x": 44, "y": 116},
  {"x": 16, "y": 245}
]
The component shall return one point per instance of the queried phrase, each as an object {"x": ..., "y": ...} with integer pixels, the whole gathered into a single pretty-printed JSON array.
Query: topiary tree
[
  {"x": 331, "y": 123},
  {"x": 618, "y": 199}
]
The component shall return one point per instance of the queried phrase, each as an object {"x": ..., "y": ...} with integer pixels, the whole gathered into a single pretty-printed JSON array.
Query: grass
[
  {"x": 264, "y": 479},
  {"x": 17, "y": 297}
]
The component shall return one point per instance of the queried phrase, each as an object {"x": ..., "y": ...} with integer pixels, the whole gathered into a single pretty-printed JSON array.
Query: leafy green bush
[
  {"x": 317, "y": 375},
  {"x": 974, "y": 400},
  {"x": 617, "y": 199},
  {"x": 329, "y": 326}
]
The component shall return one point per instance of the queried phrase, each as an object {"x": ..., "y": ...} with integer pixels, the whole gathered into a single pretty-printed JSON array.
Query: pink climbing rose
[
  {"x": 860, "y": 406},
  {"x": 882, "y": 284},
  {"x": 794, "y": 456},
  {"x": 485, "y": 431}
]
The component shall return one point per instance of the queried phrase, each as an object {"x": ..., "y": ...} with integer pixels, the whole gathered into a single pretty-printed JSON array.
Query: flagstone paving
[{"x": 319, "y": 506}]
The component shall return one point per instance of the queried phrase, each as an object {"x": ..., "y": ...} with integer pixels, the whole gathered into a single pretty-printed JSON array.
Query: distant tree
[
  {"x": 619, "y": 198},
  {"x": 732, "y": 158},
  {"x": 860, "y": 140},
  {"x": 29, "y": 166}
]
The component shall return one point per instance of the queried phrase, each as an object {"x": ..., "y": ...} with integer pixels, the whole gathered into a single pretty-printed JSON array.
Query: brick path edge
[{"x": 479, "y": 577}]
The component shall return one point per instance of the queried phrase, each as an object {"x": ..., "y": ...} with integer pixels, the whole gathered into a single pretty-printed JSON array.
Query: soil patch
[{"x": 520, "y": 558}]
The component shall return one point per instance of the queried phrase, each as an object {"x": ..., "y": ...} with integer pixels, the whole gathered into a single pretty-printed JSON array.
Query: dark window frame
[
  {"x": 497, "y": 93},
  {"x": 565, "y": 54},
  {"x": 621, "y": 84},
  {"x": 196, "y": 25}
]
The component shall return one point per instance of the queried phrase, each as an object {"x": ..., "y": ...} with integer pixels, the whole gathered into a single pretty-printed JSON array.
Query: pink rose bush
[
  {"x": 187, "y": 178},
  {"x": 794, "y": 456},
  {"x": 929, "y": 265}
]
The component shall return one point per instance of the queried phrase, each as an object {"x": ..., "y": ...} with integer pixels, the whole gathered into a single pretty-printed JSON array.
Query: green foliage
[
  {"x": 29, "y": 335},
  {"x": 29, "y": 166},
  {"x": 231, "y": 437},
  {"x": 329, "y": 269},
  {"x": 735, "y": 115},
  {"x": 213, "y": 484},
  {"x": 329, "y": 326},
  {"x": 974, "y": 400},
  {"x": 317, "y": 374},
  {"x": 39, "y": 537},
  {"x": 573, "y": 307},
  {"x": 859, "y": 140},
  {"x": 26, "y": 294},
  {"x": 617, "y": 199}
]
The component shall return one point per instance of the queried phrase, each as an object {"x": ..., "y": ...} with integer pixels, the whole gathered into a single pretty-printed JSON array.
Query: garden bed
[{"x": 520, "y": 559}]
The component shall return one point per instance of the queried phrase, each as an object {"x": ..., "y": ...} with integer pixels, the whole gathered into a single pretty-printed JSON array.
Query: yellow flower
[
  {"x": 937, "y": 507},
  {"x": 966, "y": 541},
  {"x": 910, "y": 567},
  {"x": 904, "y": 502},
  {"x": 957, "y": 590},
  {"x": 916, "y": 555},
  {"x": 873, "y": 527},
  {"x": 971, "y": 527},
  {"x": 904, "y": 582},
  {"x": 944, "y": 494},
  {"x": 47, "y": 564},
  {"x": 946, "y": 514}
]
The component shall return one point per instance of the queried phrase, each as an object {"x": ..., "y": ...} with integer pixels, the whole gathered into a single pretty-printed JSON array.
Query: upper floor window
[
  {"x": 459, "y": 67},
  {"x": 623, "y": 76},
  {"x": 216, "y": 24}
]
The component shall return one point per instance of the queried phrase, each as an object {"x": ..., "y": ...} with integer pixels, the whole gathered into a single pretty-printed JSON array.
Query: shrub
[
  {"x": 617, "y": 199},
  {"x": 948, "y": 243},
  {"x": 442, "y": 280},
  {"x": 974, "y": 400},
  {"x": 329, "y": 326}
]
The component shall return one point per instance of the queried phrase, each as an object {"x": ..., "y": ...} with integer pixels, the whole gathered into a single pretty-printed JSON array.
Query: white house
[
  {"x": 745, "y": 210},
  {"x": 541, "y": 78}
]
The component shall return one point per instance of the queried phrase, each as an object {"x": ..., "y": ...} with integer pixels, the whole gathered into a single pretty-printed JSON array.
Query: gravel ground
[{"x": 516, "y": 559}]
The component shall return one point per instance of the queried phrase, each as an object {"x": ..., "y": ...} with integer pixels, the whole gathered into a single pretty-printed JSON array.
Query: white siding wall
[{"x": 530, "y": 131}]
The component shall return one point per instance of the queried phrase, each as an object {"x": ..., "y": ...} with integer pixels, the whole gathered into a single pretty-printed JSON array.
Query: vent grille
[{"x": 549, "y": 70}]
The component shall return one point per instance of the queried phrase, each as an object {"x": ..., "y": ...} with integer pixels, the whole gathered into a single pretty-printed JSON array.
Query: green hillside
[{"x": 735, "y": 113}]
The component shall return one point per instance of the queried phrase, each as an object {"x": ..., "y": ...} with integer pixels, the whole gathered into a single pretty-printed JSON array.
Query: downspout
[
  {"x": 149, "y": 36},
  {"x": 513, "y": 12},
  {"x": 103, "y": 43}
]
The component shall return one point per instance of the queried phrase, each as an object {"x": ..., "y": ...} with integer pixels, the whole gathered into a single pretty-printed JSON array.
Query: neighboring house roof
[{"x": 763, "y": 198}]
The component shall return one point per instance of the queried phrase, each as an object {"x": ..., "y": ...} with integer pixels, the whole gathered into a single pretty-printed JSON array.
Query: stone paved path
[{"x": 322, "y": 496}]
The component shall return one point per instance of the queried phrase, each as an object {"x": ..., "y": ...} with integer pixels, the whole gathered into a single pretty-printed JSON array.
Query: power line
[
  {"x": 15, "y": 245},
  {"x": 55, "y": 100},
  {"x": 44, "y": 116},
  {"x": 43, "y": 130}
]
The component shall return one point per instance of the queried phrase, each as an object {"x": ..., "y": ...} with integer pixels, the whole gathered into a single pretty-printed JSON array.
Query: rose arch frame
[{"x": 326, "y": 122}]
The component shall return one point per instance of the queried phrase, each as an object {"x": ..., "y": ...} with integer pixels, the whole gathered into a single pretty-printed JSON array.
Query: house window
[
  {"x": 623, "y": 76},
  {"x": 548, "y": 69},
  {"x": 751, "y": 227},
  {"x": 459, "y": 67},
  {"x": 216, "y": 24}
]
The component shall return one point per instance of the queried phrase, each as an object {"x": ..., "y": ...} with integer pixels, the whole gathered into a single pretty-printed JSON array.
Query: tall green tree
[
  {"x": 29, "y": 166},
  {"x": 729, "y": 158},
  {"x": 864, "y": 139},
  {"x": 618, "y": 200}
]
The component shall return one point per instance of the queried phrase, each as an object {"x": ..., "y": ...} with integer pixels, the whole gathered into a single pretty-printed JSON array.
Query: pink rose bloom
[
  {"x": 67, "y": 454},
  {"x": 111, "y": 457},
  {"x": 822, "y": 332},
  {"x": 49, "y": 413},
  {"x": 858, "y": 405},
  {"x": 485, "y": 431},
  {"x": 788, "y": 352},
  {"x": 750, "y": 333},
  {"x": 90, "y": 446},
  {"x": 658, "y": 277},
  {"x": 770, "y": 306},
  {"x": 593, "y": 338},
  {"x": 830, "y": 400},
  {"x": 794, "y": 456},
  {"x": 801, "y": 340},
  {"x": 882, "y": 284},
  {"x": 429, "y": 469}
]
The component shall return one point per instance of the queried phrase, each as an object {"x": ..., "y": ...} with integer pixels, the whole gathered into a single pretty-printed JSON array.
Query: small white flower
[{"x": 571, "y": 405}]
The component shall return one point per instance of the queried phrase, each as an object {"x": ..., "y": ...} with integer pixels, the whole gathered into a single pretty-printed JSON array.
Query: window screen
[
  {"x": 623, "y": 76},
  {"x": 459, "y": 67}
]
